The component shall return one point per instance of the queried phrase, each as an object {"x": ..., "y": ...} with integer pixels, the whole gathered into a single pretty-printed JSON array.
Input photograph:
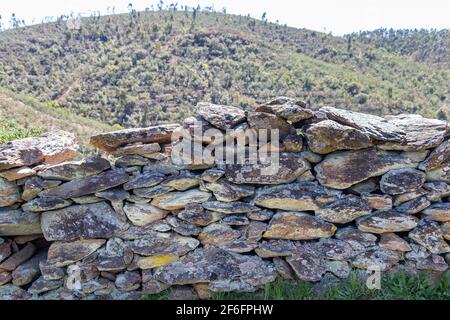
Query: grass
[
  {"x": 11, "y": 130},
  {"x": 398, "y": 286}
]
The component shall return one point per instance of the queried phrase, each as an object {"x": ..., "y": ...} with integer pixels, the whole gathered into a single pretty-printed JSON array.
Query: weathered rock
[
  {"x": 228, "y": 192},
  {"x": 378, "y": 201},
  {"x": 344, "y": 210},
  {"x": 293, "y": 142},
  {"x": 140, "y": 149},
  {"x": 343, "y": 169},
  {"x": 306, "y": 265},
  {"x": 275, "y": 248},
  {"x": 88, "y": 221},
  {"x": 260, "y": 215},
  {"x": 413, "y": 206},
  {"x": 222, "y": 270},
  {"x": 298, "y": 226},
  {"x": 115, "y": 256},
  {"x": 375, "y": 127},
  {"x": 46, "y": 204},
  {"x": 150, "y": 285},
  {"x": 183, "y": 227},
  {"x": 152, "y": 192},
  {"x": 89, "y": 199},
  {"x": 391, "y": 241},
  {"x": 17, "y": 222},
  {"x": 446, "y": 230},
  {"x": 340, "y": 269},
  {"x": 401, "y": 181},
  {"x": 17, "y": 173},
  {"x": 420, "y": 133},
  {"x": 430, "y": 235},
  {"x": 328, "y": 136},
  {"x": 286, "y": 108},
  {"x": 376, "y": 258},
  {"x": 298, "y": 196},
  {"x": 28, "y": 271},
  {"x": 11, "y": 292},
  {"x": 417, "y": 253},
  {"x": 437, "y": 190},
  {"x": 229, "y": 207},
  {"x": 289, "y": 167},
  {"x": 131, "y": 161},
  {"x": 9, "y": 193},
  {"x": 50, "y": 272},
  {"x": 158, "y": 243},
  {"x": 5, "y": 277},
  {"x": 75, "y": 169},
  {"x": 387, "y": 221},
  {"x": 42, "y": 285},
  {"x": 433, "y": 263},
  {"x": 178, "y": 200},
  {"x": 155, "y": 261},
  {"x": 366, "y": 187},
  {"x": 93, "y": 184},
  {"x": 18, "y": 257},
  {"x": 212, "y": 175},
  {"x": 404, "y": 197},
  {"x": 438, "y": 212},
  {"x": 218, "y": 234},
  {"x": 197, "y": 129},
  {"x": 61, "y": 253},
  {"x": 334, "y": 249},
  {"x": 113, "y": 195},
  {"x": 112, "y": 140},
  {"x": 356, "y": 238},
  {"x": 196, "y": 214},
  {"x": 437, "y": 164},
  {"x": 181, "y": 182},
  {"x": 222, "y": 117},
  {"x": 5, "y": 250},
  {"x": 143, "y": 214},
  {"x": 283, "y": 268},
  {"x": 236, "y": 220},
  {"x": 128, "y": 281},
  {"x": 145, "y": 180},
  {"x": 32, "y": 187},
  {"x": 51, "y": 148},
  {"x": 265, "y": 121}
]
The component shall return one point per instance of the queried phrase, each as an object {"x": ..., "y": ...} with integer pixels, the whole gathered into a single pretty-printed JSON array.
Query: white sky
[{"x": 338, "y": 16}]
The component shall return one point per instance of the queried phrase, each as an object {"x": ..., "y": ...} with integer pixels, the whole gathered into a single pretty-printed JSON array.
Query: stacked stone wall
[{"x": 350, "y": 191}]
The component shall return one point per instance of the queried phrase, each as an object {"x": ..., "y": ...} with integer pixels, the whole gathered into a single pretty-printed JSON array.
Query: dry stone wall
[{"x": 351, "y": 191}]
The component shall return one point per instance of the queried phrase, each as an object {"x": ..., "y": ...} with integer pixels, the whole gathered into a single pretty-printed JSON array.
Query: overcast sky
[{"x": 336, "y": 16}]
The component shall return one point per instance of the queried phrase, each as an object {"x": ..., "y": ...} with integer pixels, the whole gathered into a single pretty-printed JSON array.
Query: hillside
[
  {"x": 142, "y": 68},
  {"x": 430, "y": 46},
  {"x": 22, "y": 116}
]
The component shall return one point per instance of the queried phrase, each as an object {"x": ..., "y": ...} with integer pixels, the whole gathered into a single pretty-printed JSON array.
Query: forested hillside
[
  {"x": 150, "y": 67},
  {"x": 431, "y": 46}
]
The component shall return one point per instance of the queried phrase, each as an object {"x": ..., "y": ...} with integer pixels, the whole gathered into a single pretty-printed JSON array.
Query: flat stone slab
[
  {"x": 179, "y": 199},
  {"x": 50, "y": 148},
  {"x": 89, "y": 185},
  {"x": 298, "y": 226},
  {"x": 15, "y": 222},
  {"x": 297, "y": 196},
  {"x": 328, "y": 136},
  {"x": 86, "y": 221},
  {"x": 343, "y": 169},
  {"x": 75, "y": 169},
  {"x": 290, "y": 166},
  {"x": 222, "y": 270},
  {"x": 112, "y": 140},
  {"x": 61, "y": 253},
  {"x": 220, "y": 116},
  {"x": 387, "y": 221}
]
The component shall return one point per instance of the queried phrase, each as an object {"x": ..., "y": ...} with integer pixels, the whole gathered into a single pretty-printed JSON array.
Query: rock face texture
[{"x": 348, "y": 190}]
